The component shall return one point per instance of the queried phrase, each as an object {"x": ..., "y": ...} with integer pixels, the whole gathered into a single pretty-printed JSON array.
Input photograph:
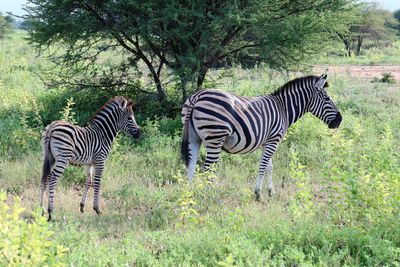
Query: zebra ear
[{"x": 319, "y": 84}]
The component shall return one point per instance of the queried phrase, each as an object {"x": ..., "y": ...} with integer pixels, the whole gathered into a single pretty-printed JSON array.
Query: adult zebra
[
  {"x": 240, "y": 125},
  {"x": 64, "y": 143}
]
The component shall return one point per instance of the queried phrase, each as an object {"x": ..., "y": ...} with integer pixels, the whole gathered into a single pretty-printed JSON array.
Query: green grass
[
  {"x": 340, "y": 205},
  {"x": 389, "y": 55}
]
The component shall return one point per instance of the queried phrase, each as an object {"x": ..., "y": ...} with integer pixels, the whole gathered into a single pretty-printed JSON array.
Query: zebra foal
[
  {"x": 64, "y": 143},
  {"x": 223, "y": 121}
]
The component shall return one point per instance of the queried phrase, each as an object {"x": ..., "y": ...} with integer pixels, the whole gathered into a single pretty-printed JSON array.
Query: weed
[{"x": 386, "y": 78}]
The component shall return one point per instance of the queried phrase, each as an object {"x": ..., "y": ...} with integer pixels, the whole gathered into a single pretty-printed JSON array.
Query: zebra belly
[
  {"x": 233, "y": 145},
  {"x": 80, "y": 160}
]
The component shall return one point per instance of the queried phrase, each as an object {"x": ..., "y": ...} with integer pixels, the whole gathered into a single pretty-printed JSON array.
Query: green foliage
[
  {"x": 6, "y": 25},
  {"x": 302, "y": 205},
  {"x": 24, "y": 243},
  {"x": 110, "y": 41},
  {"x": 21, "y": 127},
  {"x": 193, "y": 198},
  {"x": 67, "y": 114}
]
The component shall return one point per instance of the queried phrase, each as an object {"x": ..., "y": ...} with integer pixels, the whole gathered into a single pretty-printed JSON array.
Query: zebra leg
[
  {"x": 194, "y": 149},
  {"x": 265, "y": 165},
  {"x": 53, "y": 179},
  {"x": 98, "y": 171},
  {"x": 88, "y": 183},
  {"x": 265, "y": 162},
  {"x": 213, "y": 150},
  {"x": 43, "y": 186},
  {"x": 269, "y": 173}
]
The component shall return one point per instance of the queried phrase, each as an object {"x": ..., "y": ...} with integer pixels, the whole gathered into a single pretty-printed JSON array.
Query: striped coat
[
  {"x": 223, "y": 121},
  {"x": 64, "y": 143}
]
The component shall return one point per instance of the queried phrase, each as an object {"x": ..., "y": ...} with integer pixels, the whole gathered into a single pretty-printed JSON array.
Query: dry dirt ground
[{"x": 366, "y": 72}]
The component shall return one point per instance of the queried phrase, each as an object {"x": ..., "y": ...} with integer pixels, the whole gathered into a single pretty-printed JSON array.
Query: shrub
[
  {"x": 387, "y": 77},
  {"x": 24, "y": 243}
]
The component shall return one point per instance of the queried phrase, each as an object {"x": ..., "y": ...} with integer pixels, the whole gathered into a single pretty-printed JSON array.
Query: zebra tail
[
  {"x": 185, "y": 153},
  {"x": 48, "y": 158}
]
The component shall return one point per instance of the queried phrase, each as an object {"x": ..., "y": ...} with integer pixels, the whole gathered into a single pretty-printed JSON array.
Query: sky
[{"x": 15, "y": 6}]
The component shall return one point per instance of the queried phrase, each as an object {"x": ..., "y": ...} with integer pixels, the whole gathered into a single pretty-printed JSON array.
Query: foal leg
[
  {"x": 43, "y": 186},
  {"x": 88, "y": 183},
  {"x": 58, "y": 170},
  {"x": 98, "y": 171}
]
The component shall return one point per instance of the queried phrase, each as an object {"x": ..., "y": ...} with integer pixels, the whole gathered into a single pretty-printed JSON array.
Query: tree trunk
[
  {"x": 184, "y": 89},
  {"x": 347, "y": 44},
  {"x": 201, "y": 77},
  {"x": 359, "y": 44},
  {"x": 162, "y": 97},
  {"x": 348, "y": 51}
]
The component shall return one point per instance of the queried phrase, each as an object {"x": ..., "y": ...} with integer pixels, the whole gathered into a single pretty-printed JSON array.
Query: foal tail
[
  {"x": 187, "y": 111},
  {"x": 48, "y": 159}
]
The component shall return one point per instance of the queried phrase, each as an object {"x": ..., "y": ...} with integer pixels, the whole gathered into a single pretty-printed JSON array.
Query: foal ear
[
  {"x": 130, "y": 103},
  {"x": 320, "y": 83},
  {"x": 122, "y": 102}
]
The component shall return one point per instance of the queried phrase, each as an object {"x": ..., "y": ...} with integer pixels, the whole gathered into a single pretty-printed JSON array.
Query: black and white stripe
[
  {"x": 64, "y": 143},
  {"x": 223, "y": 121}
]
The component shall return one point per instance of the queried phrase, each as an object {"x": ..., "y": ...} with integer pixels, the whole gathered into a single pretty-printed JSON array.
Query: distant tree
[
  {"x": 369, "y": 22},
  {"x": 24, "y": 25},
  {"x": 182, "y": 38},
  {"x": 6, "y": 25},
  {"x": 396, "y": 15}
]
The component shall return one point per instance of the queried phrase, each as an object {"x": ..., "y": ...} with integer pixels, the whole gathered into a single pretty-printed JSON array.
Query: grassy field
[{"x": 339, "y": 206}]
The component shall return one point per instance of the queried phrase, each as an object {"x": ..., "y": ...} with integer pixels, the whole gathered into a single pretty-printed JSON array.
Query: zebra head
[
  {"x": 127, "y": 121},
  {"x": 322, "y": 106}
]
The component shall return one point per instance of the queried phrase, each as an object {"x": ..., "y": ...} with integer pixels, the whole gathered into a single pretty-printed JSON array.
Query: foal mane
[
  {"x": 115, "y": 99},
  {"x": 296, "y": 81}
]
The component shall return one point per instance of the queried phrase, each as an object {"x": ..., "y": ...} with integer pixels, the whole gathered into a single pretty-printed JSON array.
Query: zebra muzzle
[
  {"x": 135, "y": 133},
  {"x": 333, "y": 124}
]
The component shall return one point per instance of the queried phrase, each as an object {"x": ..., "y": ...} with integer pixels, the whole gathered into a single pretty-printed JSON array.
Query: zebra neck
[
  {"x": 294, "y": 103},
  {"x": 107, "y": 127}
]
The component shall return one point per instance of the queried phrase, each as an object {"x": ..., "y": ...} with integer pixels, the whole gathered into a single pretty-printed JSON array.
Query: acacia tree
[
  {"x": 396, "y": 15},
  {"x": 6, "y": 24},
  {"x": 182, "y": 38},
  {"x": 371, "y": 22}
]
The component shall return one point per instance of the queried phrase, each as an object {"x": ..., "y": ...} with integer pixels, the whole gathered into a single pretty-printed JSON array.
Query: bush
[
  {"x": 386, "y": 78},
  {"x": 24, "y": 243}
]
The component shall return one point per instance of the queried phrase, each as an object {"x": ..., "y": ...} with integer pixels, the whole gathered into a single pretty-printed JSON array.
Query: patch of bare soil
[{"x": 359, "y": 71}]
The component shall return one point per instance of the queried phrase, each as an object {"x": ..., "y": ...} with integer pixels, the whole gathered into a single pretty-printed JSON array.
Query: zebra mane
[
  {"x": 296, "y": 81},
  {"x": 116, "y": 99}
]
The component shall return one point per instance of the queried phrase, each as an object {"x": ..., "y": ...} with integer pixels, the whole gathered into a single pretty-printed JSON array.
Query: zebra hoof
[
  {"x": 97, "y": 210},
  {"x": 257, "y": 195},
  {"x": 82, "y": 208},
  {"x": 271, "y": 192},
  {"x": 49, "y": 219}
]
